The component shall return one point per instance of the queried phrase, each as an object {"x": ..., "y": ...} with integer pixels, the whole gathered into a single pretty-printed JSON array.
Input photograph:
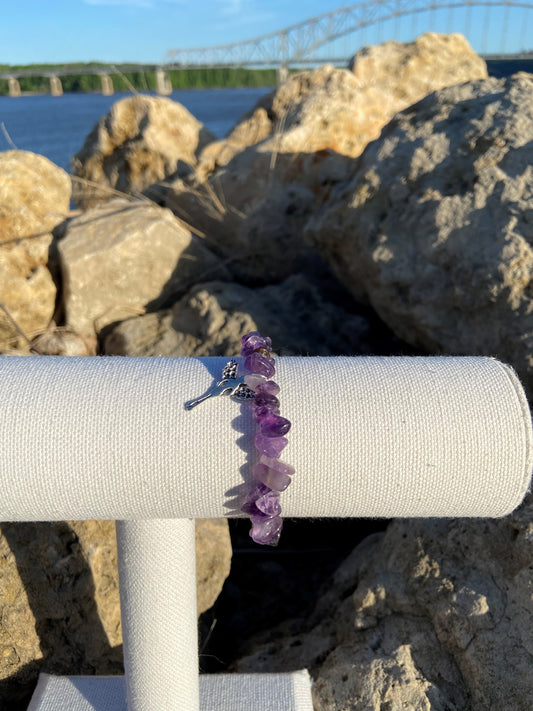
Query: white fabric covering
[
  {"x": 218, "y": 692},
  {"x": 110, "y": 438}
]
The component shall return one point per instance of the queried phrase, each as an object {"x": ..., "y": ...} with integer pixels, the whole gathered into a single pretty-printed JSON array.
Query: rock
[
  {"x": 213, "y": 560},
  {"x": 342, "y": 110},
  {"x": 435, "y": 226},
  {"x": 61, "y": 342},
  {"x": 122, "y": 258},
  {"x": 312, "y": 111},
  {"x": 212, "y": 317},
  {"x": 59, "y": 608},
  {"x": 253, "y": 191},
  {"x": 432, "y": 614},
  {"x": 142, "y": 140},
  {"x": 60, "y": 605},
  {"x": 34, "y": 199},
  {"x": 252, "y": 209},
  {"x": 406, "y": 72},
  {"x": 252, "y": 219}
]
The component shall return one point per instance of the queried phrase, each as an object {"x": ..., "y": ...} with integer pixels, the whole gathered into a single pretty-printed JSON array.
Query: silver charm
[{"x": 231, "y": 384}]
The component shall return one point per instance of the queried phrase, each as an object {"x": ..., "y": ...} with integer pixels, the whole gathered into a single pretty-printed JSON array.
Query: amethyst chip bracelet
[{"x": 273, "y": 476}]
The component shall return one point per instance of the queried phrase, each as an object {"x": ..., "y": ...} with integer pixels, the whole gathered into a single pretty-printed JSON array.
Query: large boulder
[
  {"x": 405, "y": 72},
  {"x": 123, "y": 257},
  {"x": 142, "y": 140},
  {"x": 212, "y": 317},
  {"x": 253, "y": 216},
  {"x": 253, "y": 191},
  {"x": 313, "y": 110},
  {"x": 34, "y": 199},
  {"x": 254, "y": 205},
  {"x": 342, "y": 110},
  {"x": 432, "y": 614},
  {"x": 435, "y": 227},
  {"x": 60, "y": 606}
]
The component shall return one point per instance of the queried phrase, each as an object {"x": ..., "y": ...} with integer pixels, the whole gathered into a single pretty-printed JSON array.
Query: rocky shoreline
[{"x": 384, "y": 208}]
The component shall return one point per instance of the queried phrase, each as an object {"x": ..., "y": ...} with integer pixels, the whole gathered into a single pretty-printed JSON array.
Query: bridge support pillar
[
  {"x": 282, "y": 73},
  {"x": 13, "y": 86},
  {"x": 107, "y": 85},
  {"x": 56, "y": 88},
  {"x": 163, "y": 85}
]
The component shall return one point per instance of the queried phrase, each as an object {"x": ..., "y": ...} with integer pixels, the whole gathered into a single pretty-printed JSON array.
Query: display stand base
[{"x": 218, "y": 692}]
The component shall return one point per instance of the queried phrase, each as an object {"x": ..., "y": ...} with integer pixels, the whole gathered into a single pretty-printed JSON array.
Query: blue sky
[
  {"x": 61, "y": 31},
  {"x": 137, "y": 30}
]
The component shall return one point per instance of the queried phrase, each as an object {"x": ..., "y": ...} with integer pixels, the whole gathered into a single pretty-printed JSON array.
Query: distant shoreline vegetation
[{"x": 202, "y": 78}]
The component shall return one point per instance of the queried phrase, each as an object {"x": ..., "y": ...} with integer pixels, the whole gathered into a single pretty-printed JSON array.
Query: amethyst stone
[
  {"x": 277, "y": 465},
  {"x": 253, "y": 380},
  {"x": 271, "y": 446},
  {"x": 268, "y": 387},
  {"x": 253, "y": 495},
  {"x": 260, "y": 413},
  {"x": 274, "y": 426},
  {"x": 265, "y": 399},
  {"x": 274, "y": 479},
  {"x": 252, "y": 341},
  {"x": 269, "y": 504},
  {"x": 262, "y": 501},
  {"x": 262, "y": 365},
  {"x": 266, "y": 531}
]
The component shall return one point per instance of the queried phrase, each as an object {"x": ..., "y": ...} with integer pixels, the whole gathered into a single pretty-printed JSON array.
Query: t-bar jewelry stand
[{"x": 109, "y": 438}]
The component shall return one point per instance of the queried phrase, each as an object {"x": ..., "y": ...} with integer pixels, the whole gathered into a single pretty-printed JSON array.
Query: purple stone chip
[
  {"x": 249, "y": 504},
  {"x": 266, "y": 531},
  {"x": 252, "y": 341},
  {"x": 277, "y": 465},
  {"x": 271, "y": 446},
  {"x": 274, "y": 426},
  {"x": 266, "y": 399},
  {"x": 268, "y": 387},
  {"x": 269, "y": 504},
  {"x": 274, "y": 479},
  {"x": 262, "y": 501},
  {"x": 262, "y": 365},
  {"x": 253, "y": 380},
  {"x": 265, "y": 411}
]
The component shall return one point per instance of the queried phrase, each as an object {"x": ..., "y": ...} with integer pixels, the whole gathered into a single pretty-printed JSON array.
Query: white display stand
[{"x": 109, "y": 438}]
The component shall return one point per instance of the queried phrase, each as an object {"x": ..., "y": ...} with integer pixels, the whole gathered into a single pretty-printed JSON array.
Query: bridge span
[{"x": 317, "y": 39}]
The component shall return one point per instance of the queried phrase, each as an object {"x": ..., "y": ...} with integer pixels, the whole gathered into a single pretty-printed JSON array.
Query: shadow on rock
[{"x": 50, "y": 618}]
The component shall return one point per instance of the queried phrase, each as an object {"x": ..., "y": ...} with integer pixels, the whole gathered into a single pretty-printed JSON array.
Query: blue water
[{"x": 57, "y": 126}]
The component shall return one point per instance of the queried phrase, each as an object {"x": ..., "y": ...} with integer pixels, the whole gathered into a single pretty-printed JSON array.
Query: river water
[{"x": 56, "y": 126}]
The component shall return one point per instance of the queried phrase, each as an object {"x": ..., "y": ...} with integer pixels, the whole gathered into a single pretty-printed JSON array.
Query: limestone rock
[
  {"x": 432, "y": 614},
  {"x": 212, "y": 317},
  {"x": 34, "y": 199},
  {"x": 213, "y": 560},
  {"x": 61, "y": 342},
  {"x": 252, "y": 192},
  {"x": 59, "y": 602},
  {"x": 142, "y": 140},
  {"x": 252, "y": 209},
  {"x": 406, "y": 72},
  {"x": 436, "y": 224},
  {"x": 120, "y": 258},
  {"x": 312, "y": 111},
  {"x": 342, "y": 110},
  {"x": 254, "y": 220}
]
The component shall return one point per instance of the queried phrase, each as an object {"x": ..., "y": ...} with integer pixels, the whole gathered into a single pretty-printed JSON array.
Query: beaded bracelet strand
[{"x": 273, "y": 476}]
